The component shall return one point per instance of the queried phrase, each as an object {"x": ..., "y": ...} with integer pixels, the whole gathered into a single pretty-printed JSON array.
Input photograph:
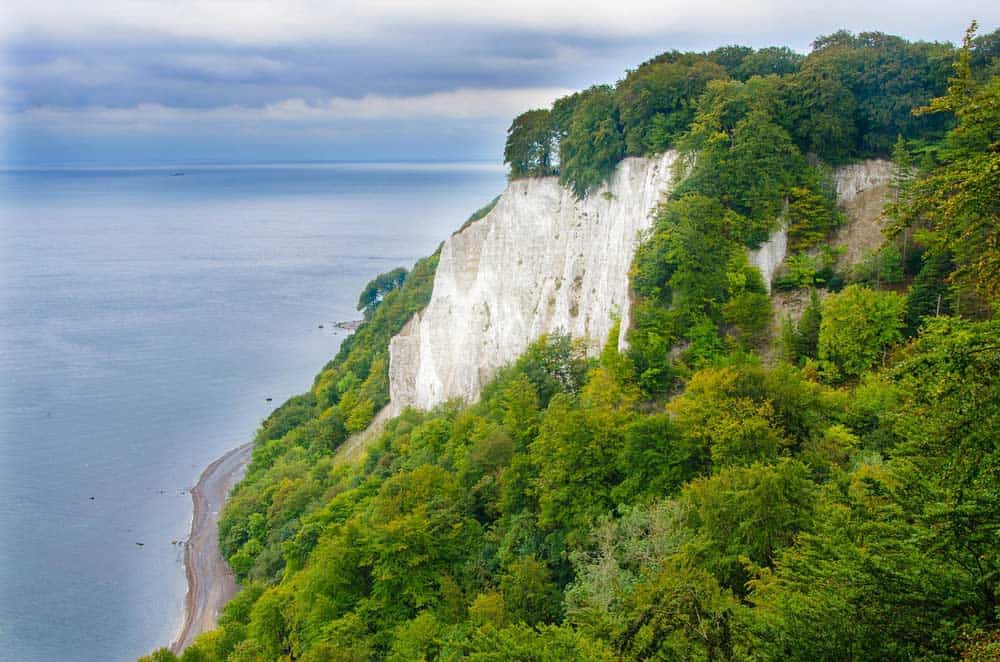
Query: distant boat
[{"x": 177, "y": 174}]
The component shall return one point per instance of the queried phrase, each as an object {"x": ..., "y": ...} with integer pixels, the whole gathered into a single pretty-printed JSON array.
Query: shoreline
[{"x": 210, "y": 580}]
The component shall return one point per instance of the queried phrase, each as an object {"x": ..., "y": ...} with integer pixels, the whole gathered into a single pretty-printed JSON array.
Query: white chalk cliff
[
  {"x": 858, "y": 178},
  {"x": 768, "y": 256},
  {"x": 862, "y": 190},
  {"x": 541, "y": 261}
]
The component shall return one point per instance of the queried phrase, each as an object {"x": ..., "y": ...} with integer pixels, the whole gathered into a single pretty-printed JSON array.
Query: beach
[{"x": 210, "y": 580}]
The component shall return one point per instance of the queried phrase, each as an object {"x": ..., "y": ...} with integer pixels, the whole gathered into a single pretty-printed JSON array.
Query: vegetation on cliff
[
  {"x": 851, "y": 97},
  {"x": 682, "y": 500}
]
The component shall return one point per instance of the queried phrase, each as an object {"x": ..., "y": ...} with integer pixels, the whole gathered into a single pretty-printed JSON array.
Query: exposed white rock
[
  {"x": 541, "y": 261},
  {"x": 861, "y": 192},
  {"x": 860, "y": 177},
  {"x": 770, "y": 255}
]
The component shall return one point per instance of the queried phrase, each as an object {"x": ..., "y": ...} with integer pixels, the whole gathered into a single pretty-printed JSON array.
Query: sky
[{"x": 193, "y": 81}]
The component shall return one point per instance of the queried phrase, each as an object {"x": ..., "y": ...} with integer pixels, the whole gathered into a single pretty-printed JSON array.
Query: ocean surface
[{"x": 145, "y": 317}]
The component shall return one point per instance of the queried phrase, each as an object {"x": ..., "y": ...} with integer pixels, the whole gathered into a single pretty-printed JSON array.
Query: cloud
[
  {"x": 200, "y": 70},
  {"x": 461, "y": 104},
  {"x": 223, "y": 66},
  {"x": 362, "y": 21}
]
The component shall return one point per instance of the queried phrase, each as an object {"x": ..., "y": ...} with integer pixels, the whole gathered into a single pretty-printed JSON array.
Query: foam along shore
[{"x": 210, "y": 580}]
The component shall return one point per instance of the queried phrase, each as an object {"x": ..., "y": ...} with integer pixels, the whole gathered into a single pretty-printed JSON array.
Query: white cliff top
[{"x": 541, "y": 261}]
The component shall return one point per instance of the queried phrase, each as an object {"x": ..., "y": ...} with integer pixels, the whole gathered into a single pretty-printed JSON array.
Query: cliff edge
[
  {"x": 541, "y": 261},
  {"x": 544, "y": 261}
]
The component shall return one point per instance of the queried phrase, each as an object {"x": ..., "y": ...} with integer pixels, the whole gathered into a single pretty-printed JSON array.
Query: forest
[{"x": 718, "y": 491}]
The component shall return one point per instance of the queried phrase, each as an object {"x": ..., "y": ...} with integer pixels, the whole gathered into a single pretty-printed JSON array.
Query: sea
[{"x": 150, "y": 318}]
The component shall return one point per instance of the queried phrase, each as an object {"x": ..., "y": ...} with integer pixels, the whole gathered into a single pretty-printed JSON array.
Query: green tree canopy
[
  {"x": 858, "y": 328},
  {"x": 530, "y": 141},
  {"x": 594, "y": 145}
]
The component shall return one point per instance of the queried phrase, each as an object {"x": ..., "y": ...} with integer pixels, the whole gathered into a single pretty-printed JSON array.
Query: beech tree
[
  {"x": 657, "y": 102},
  {"x": 594, "y": 144},
  {"x": 530, "y": 141},
  {"x": 858, "y": 327}
]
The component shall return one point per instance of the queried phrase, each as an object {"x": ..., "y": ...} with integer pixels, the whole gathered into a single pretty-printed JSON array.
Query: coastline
[{"x": 210, "y": 580}]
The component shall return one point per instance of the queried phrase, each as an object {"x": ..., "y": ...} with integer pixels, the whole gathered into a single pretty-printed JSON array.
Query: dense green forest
[{"x": 686, "y": 499}]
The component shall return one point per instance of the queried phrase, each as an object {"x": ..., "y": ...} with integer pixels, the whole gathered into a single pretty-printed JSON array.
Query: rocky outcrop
[
  {"x": 863, "y": 177},
  {"x": 769, "y": 256},
  {"x": 541, "y": 261},
  {"x": 862, "y": 191}
]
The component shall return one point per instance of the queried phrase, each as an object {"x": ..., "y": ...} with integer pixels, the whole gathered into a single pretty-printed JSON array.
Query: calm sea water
[{"x": 144, "y": 319}]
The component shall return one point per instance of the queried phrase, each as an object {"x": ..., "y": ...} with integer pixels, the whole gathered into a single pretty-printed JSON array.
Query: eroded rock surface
[
  {"x": 862, "y": 191},
  {"x": 541, "y": 261},
  {"x": 863, "y": 188}
]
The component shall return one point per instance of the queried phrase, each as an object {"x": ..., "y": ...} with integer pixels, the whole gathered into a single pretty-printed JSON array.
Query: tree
[
  {"x": 561, "y": 115},
  {"x": 656, "y": 459},
  {"x": 594, "y": 145},
  {"x": 751, "y": 171},
  {"x": 822, "y": 115},
  {"x": 858, "y": 327},
  {"x": 730, "y": 57},
  {"x": 376, "y": 290},
  {"x": 811, "y": 216},
  {"x": 529, "y": 145},
  {"x": 679, "y": 614},
  {"x": 529, "y": 593},
  {"x": 929, "y": 294},
  {"x": 866, "y": 87},
  {"x": 161, "y": 655},
  {"x": 958, "y": 202},
  {"x": 804, "y": 341},
  {"x": 520, "y": 410},
  {"x": 745, "y": 514},
  {"x": 985, "y": 55},
  {"x": 884, "y": 266},
  {"x": 857, "y": 586},
  {"x": 657, "y": 101},
  {"x": 750, "y": 314},
  {"x": 774, "y": 60},
  {"x": 417, "y": 639},
  {"x": 727, "y": 415},
  {"x": 947, "y": 422},
  {"x": 575, "y": 454}
]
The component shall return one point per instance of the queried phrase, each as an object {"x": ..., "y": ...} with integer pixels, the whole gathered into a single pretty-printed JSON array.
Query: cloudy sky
[{"x": 181, "y": 81}]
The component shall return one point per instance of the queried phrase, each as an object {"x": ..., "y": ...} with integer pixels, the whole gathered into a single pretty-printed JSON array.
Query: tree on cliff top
[
  {"x": 595, "y": 143},
  {"x": 529, "y": 145}
]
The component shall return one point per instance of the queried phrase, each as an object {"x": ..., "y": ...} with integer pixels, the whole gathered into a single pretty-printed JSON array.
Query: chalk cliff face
[
  {"x": 540, "y": 261},
  {"x": 855, "y": 179},
  {"x": 769, "y": 256},
  {"x": 862, "y": 191},
  {"x": 543, "y": 261}
]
